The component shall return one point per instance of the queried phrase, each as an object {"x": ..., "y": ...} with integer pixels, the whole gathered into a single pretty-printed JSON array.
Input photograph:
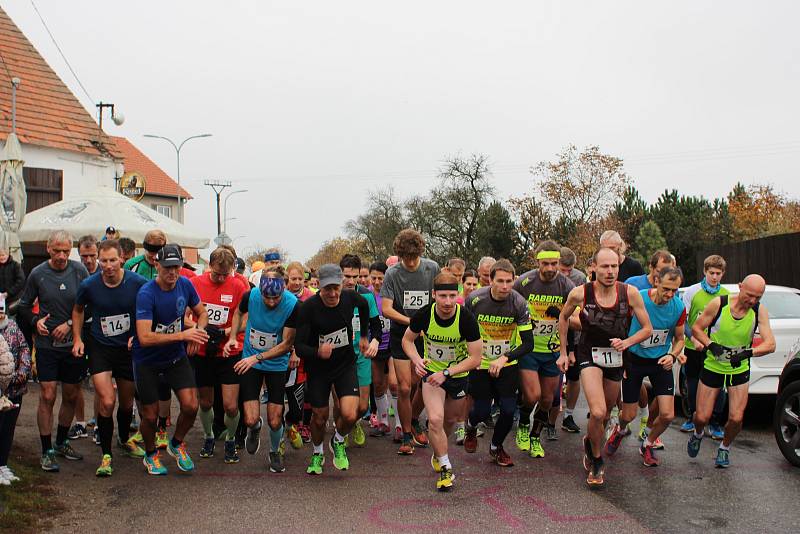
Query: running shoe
[
  {"x": 481, "y": 429},
  {"x": 131, "y": 448},
  {"x": 446, "y": 478},
  {"x": 48, "y": 461},
  {"x": 4, "y": 481},
  {"x": 551, "y": 433},
  {"x": 252, "y": 441},
  {"x": 208, "y": 448},
  {"x": 398, "y": 435},
  {"x": 294, "y": 437},
  {"x": 569, "y": 425},
  {"x": 723, "y": 458},
  {"x": 437, "y": 467},
  {"x": 614, "y": 441},
  {"x": 66, "y": 450},
  {"x": 9, "y": 475},
  {"x": 406, "y": 448},
  {"x": 182, "y": 457},
  {"x": 596, "y": 473},
  {"x": 693, "y": 447},
  {"x": 716, "y": 432},
  {"x": 153, "y": 464},
  {"x": 305, "y": 433},
  {"x": 105, "y": 469},
  {"x": 419, "y": 436},
  {"x": 315, "y": 467},
  {"x": 137, "y": 438},
  {"x": 339, "y": 451},
  {"x": 523, "y": 437},
  {"x": 648, "y": 456},
  {"x": 359, "y": 437},
  {"x": 501, "y": 457},
  {"x": 588, "y": 454},
  {"x": 276, "y": 462},
  {"x": 460, "y": 435},
  {"x": 231, "y": 457},
  {"x": 688, "y": 426},
  {"x": 162, "y": 439},
  {"x": 536, "y": 450},
  {"x": 381, "y": 430},
  {"x": 642, "y": 428},
  {"x": 77, "y": 431},
  {"x": 241, "y": 434},
  {"x": 471, "y": 439},
  {"x": 91, "y": 423},
  {"x": 658, "y": 444},
  {"x": 373, "y": 421}
]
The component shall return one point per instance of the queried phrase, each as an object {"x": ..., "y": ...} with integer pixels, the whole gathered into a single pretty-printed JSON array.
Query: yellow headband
[{"x": 548, "y": 255}]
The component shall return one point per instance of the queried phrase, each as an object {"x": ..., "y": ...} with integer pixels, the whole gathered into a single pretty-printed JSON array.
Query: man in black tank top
[{"x": 606, "y": 306}]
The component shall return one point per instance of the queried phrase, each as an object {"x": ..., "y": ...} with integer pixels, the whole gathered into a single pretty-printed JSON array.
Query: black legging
[{"x": 8, "y": 423}]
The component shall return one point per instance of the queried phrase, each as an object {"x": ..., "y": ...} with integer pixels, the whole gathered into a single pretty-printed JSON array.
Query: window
[{"x": 163, "y": 209}]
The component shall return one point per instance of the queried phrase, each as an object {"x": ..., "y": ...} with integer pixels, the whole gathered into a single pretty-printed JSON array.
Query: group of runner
[{"x": 401, "y": 337}]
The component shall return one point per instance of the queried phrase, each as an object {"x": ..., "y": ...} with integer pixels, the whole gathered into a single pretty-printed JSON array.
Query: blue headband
[
  {"x": 271, "y": 287},
  {"x": 272, "y": 256}
]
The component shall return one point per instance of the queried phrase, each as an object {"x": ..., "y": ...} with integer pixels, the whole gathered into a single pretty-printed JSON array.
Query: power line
[
  {"x": 63, "y": 56},
  {"x": 5, "y": 66}
]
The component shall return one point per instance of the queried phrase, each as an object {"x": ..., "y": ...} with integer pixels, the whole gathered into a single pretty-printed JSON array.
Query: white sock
[
  {"x": 460, "y": 424},
  {"x": 644, "y": 413},
  {"x": 567, "y": 413},
  {"x": 382, "y": 403},
  {"x": 82, "y": 423},
  {"x": 648, "y": 443},
  {"x": 338, "y": 438},
  {"x": 444, "y": 461},
  {"x": 492, "y": 447},
  {"x": 317, "y": 448},
  {"x": 698, "y": 436},
  {"x": 724, "y": 448}
]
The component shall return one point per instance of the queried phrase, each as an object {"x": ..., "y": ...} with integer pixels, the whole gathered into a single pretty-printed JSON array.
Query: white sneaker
[
  {"x": 3, "y": 480},
  {"x": 7, "y": 473}
]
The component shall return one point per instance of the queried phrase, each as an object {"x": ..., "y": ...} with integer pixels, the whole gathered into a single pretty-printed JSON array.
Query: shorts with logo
[
  {"x": 104, "y": 358},
  {"x": 251, "y": 382},
  {"x": 636, "y": 370},
  {"x": 177, "y": 375},
  {"x": 718, "y": 380},
  {"x": 210, "y": 371},
  {"x": 583, "y": 360},
  {"x": 543, "y": 363},
  {"x": 482, "y": 386},
  {"x": 455, "y": 388},
  {"x": 364, "y": 371},
  {"x": 318, "y": 385},
  {"x": 60, "y": 366}
]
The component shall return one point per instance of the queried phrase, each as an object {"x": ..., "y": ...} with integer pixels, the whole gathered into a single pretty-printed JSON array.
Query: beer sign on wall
[{"x": 132, "y": 185}]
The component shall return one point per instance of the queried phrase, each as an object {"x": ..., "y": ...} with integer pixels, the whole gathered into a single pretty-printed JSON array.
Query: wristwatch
[
  {"x": 258, "y": 357},
  {"x": 446, "y": 373}
]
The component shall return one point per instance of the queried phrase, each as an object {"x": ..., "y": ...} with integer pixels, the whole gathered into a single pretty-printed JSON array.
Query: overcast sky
[{"x": 313, "y": 103}]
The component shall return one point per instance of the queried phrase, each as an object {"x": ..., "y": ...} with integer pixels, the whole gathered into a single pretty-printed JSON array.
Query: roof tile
[{"x": 158, "y": 182}]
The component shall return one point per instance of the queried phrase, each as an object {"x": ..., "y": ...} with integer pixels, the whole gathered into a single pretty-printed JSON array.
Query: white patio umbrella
[
  {"x": 92, "y": 213},
  {"x": 13, "y": 198}
]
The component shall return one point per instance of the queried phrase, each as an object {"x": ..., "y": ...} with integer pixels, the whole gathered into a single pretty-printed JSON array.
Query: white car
[{"x": 783, "y": 304}]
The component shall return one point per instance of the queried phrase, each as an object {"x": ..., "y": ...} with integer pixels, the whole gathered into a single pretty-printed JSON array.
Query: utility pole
[{"x": 218, "y": 186}]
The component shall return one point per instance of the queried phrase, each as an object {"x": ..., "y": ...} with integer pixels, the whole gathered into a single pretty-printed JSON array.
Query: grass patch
[{"x": 30, "y": 504}]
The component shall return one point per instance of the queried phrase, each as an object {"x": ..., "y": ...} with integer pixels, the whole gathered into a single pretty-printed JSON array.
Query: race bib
[
  {"x": 66, "y": 343},
  {"x": 606, "y": 357},
  {"x": 171, "y": 328},
  {"x": 545, "y": 327},
  {"x": 494, "y": 349},
  {"x": 725, "y": 357},
  {"x": 217, "y": 315},
  {"x": 356, "y": 324},
  {"x": 441, "y": 353},
  {"x": 337, "y": 339},
  {"x": 657, "y": 339},
  {"x": 414, "y": 300},
  {"x": 262, "y": 340},
  {"x": 114, "y": 325},
  {"x": 385, "y": 324}
]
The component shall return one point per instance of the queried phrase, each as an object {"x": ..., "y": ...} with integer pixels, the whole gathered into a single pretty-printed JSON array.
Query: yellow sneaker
[
  {"x": 359, "y": 437},
  {"x": 446, "y": 478},
  {"x": 295, "y": 439}
]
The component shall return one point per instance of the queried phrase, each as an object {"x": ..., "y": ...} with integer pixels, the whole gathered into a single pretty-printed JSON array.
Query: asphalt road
[{"x": 385, "y": 492}]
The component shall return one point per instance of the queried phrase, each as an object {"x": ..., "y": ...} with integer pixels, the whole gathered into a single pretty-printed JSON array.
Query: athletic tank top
[
  {"x": 444, "y": 345},
  {"x": 598, "y": 324},
  {"x": 736, "y": 334}
]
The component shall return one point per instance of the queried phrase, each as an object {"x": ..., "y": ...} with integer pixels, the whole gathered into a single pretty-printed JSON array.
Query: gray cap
[{"x": 330, "y": 274}]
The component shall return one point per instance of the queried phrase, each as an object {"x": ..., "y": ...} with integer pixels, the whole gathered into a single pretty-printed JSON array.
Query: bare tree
[{"x": 377, "y": 227}]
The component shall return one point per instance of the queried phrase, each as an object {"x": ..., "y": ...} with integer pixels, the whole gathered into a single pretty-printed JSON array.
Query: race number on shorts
[
  {"x": 414, "y": 300},
  {"x": 337, "y": 339},
  {"x": 606, "y": 357},
  {"x": 114, "y": 325}
]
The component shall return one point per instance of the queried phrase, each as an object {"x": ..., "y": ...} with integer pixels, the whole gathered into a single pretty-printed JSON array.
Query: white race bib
[
  {"x": 657, "y": 339},
  {"x": 385, "y": 324},
  {"x": 114, "y": 325},
  {"x": 356, "y": 325},
  {"x": 67, "y": 340},
  {"x": 262, "y": 341},
  {"x": 337, "y": 339},
  {"x": 545, "y": 327},
  {"x": 441, "y": 353},
  {"x": 171, "y": 328},
  {"x": 414, "y": 300},
  {"x": 217, "y": 315},
  {"x": 494, "y": 349},
  {"x": 606, "y": 357}
]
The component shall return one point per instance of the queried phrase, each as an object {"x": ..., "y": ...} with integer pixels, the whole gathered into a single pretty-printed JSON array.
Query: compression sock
[
  {"x": 393, "y": 406},
  {"x": 105, "y": 426},
  {"x": 644, "y": 413},
  {"x": 231, "y": 424},
  {"x": 525, "y": 414},
  {"x": 162, "y": 424},
  {"x": 539, "y": 420},
  {"x": 275, "y": 437},
  {"x": 382, "y": 404},
  {"x": 61, "y": 434},
  {"x": 124, "y": 424},
  {"x": 207, "y": 420}
]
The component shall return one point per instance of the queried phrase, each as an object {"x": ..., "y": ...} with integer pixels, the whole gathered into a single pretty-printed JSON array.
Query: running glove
[
  {"x": 736, "y": 359},
  {"x": 716, "y": 349}
]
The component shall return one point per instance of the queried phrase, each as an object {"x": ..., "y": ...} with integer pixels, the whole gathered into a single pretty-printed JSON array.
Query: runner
[
  {"x": 128, "y": 247},
  {"x": 363, "y": 276},
  {"x": 507, "y": 335},
  {"x": 297, "y": 429},
  {"x": 111, "y": 300},
  {"x": 220, "y": 291},
  {"x": 726, "y": 329},
  {"x": 383, "y": 379},
  {"x": 695, "y": 298},
  {"x": 605, "y": 317},
  {"x": 470, "y": 282},
  {"x": 545, "y": 289},
  {"x": 324, "y": 341},
  {"x": 452, "y": 347},
  {"x": 566, "y": 264},
  {"x": 456, "y": 267},
  {"x": 351, "y": 267},
  {"x": 407, "y": 288},
  {"x": 653, "y": 358},
  {"x": 271, "y": 323},
  {"x": 55, "y": 284},
  {"x": 159, "y": 353},
  {"x": 628, "y": 267},
  {"x": 659, "y": 260},
  {"x": 485, "y": 270}
]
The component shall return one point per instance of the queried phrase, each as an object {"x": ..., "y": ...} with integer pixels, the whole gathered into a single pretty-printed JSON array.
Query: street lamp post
[
  {"x": 225, "y": 208},
  {"x": 178, "y": 154}
]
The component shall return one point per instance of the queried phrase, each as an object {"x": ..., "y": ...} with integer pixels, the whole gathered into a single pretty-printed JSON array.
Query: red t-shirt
[{"x": 221, "y": 301}]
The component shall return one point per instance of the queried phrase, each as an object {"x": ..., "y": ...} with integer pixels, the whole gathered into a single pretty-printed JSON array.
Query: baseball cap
[
  {"x": 170, "y": 255},
  {"x": 111, "y": 230},
  {"x": 330, "y": 274}
]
